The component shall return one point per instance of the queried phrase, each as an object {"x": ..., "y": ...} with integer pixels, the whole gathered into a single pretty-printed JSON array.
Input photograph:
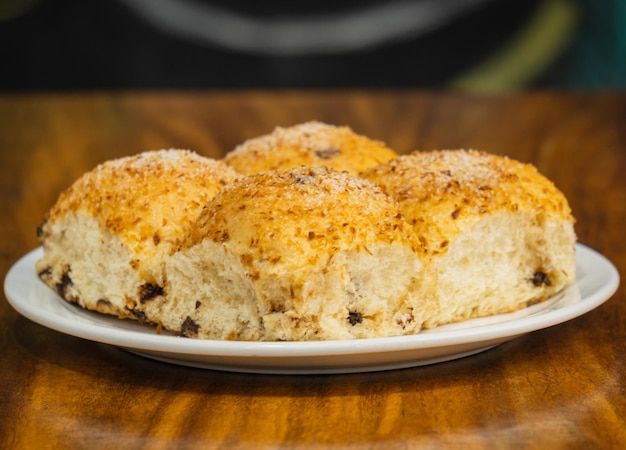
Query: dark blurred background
[{"x": 473, "y": 45}]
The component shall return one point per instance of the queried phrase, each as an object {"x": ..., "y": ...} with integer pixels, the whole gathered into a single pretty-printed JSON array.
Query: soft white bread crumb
[
  {"x": 107, "y": 236},
  {"x": 499, "y": 235},
  {"x": 312, "y": 144},
  {"x": 304, "y": 254}
]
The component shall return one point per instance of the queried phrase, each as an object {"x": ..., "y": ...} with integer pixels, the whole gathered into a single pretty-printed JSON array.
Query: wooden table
[{"x": 562, "y": 387}]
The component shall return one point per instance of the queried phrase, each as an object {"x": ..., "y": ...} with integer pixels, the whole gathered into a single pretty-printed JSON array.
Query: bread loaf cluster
[{"x": 309, "y": 233}]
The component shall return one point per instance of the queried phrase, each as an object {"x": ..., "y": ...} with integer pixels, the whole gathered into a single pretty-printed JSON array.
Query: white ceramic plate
[{"x": 596, "y": 281}]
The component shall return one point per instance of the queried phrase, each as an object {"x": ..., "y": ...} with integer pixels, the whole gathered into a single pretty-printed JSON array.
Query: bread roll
[
  {"x": 303, "y": 254},
  {"x": 499, "y": 234},
  {"x": 312, "y": 143},
  {"x": 308, "y": 253},
  {"x": 106, "y": 238}
]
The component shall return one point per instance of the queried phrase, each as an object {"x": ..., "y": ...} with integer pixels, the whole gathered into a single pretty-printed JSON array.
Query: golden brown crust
[
  {"x": 442, "y": 192},
  {"x": 147, "y": 199},
  {"x": 313, "y": 144},
  {"x": 303, "y": 210}
]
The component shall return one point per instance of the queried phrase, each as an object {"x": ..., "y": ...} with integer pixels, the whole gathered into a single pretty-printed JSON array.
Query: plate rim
[{"x": 15, "y": 291}]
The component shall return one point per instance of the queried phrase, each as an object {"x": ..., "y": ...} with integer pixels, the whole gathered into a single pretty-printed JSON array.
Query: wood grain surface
[{"x": 563, "y": 387}]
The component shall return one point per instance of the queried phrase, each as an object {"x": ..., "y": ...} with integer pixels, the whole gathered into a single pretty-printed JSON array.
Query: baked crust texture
[{"x": 313, "y": 144}]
